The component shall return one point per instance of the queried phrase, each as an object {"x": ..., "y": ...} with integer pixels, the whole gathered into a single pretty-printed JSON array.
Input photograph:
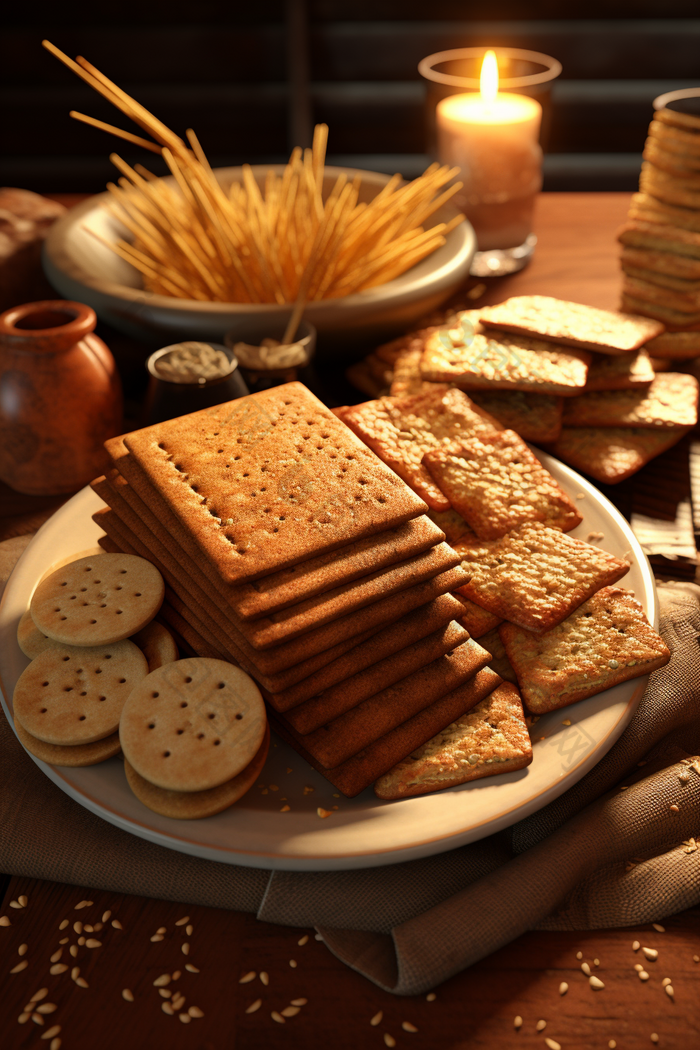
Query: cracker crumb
[
  {"x": 643, "y": 975},
  {"x": 579, "y": 955},
  {"x": 324, "y": 812},
  {"x": 612, "y": 1044},
  {"x": 563, "y": 988},
  {"x": 552, "y": 1044},
  {"x": 651, "y": 953},
  {"x": 654, "y": 1037},
  {"x": 389, "y": 1039},
  {"x": 586, "y": 969},
  {"x": 377, "y": 1018},
  {"x": 669, "y": 991},
  {"x": 595, "y": 982},
  {"x": 250, "y": 976},
  {"x": 285, "y": 809},
  {"x": 431, "y": 997},
  {"x": 408, "y": 1027},
  {"x": 566, "y": 722},
  {"x": 128, "y": 995},
  {"x": 636, "y": 946},
  {"x": 540, "y": 1026},
  {"x": 277, "y": 1017},
  {"x": 254, "y": 1006},
  {"x": 517, "y": 1021}
]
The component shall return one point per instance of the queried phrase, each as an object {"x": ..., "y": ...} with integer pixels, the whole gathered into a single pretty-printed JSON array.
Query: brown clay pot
[{"x": 60, "y": 397}]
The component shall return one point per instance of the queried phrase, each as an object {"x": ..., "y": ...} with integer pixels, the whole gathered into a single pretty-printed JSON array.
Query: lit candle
[{"x": 493, "y": 137}]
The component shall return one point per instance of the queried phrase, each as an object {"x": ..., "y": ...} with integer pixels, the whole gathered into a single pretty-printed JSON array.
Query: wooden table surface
[{"x": 576, "y": 259}]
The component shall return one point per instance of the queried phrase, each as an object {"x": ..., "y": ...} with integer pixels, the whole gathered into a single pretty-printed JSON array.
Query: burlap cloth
[{"x": 595, "y": 857}]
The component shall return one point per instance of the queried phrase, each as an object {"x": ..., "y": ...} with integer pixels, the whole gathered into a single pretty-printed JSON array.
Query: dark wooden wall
[{"x": 222, "y": 68}]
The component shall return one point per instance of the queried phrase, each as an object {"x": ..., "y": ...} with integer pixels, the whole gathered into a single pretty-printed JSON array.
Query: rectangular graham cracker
[
  {"x": 499, "y": 661},
  {"x": 495, "y": 482},
  {"x": 362, "y": 769},
  {"x": 606, "y": 641},
  {"x": 477, "y": 621},
  {"x": 289, "y": 586},
  {"x": 490, "y": 739},
  {"x": 536, "y": 575},
  {"x": 492, "y": 360},
  {"x": 631, "y": 371},
  {"x": 536, "y": 417},
  {"x": 340, "y": 739},
  {"x": 678, "y": 345},
  {"x": 384, "y": 644},
  {"x": 571, "y": 324},
  {"x": 402, "y": 429},
  {"x": 270, "y": 480},
  {"x": 335, "y": 701},
  {"x": 611, "y": 454},
  {"x": 670, "y": 401}
]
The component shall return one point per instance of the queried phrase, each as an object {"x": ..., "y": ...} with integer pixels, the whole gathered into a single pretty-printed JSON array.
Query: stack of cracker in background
[
  {"x": 290, "y": 549},
  {"x": 661, "y": 239}
]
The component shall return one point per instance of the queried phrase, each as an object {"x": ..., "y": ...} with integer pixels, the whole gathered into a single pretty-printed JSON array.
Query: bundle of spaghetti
[{"x": 289, "y": 241}]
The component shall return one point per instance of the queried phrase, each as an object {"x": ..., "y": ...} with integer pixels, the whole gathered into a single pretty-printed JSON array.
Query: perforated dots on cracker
[{"x": 98, "y": 600}]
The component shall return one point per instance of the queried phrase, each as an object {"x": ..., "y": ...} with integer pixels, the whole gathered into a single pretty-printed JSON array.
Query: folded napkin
[{"x": 597, "y": 856}]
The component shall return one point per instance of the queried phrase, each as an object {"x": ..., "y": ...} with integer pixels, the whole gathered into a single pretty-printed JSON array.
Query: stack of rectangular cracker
[
  {"x": 661, "y": 240},
  {"x": 290, "y": 549},
  {"x": 574, "y": 379}
]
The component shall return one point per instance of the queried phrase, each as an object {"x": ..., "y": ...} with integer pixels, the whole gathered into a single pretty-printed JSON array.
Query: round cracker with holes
[
  {"x": 193, "y": 805},
  {"x": 193, "y": 724},
  {"x": 98, "y": 600},
  {"x": 74, "y": 694},
  {"x": 77, "y": 755},
  {"x": 157, "y": 644},
  {"x": 30, "y": 639}
]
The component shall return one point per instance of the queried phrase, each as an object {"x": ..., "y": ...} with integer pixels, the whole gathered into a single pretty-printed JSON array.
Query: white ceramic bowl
[{"x": 83, "y": 269}]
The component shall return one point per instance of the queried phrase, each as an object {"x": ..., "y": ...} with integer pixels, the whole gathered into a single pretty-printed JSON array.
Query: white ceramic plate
[
  {"x": 83, "y": 269},
  {"x": 362, "y": 832}
]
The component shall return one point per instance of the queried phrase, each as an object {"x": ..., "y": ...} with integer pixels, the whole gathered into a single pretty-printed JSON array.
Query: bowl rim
[{"x": 463, "y": 240}]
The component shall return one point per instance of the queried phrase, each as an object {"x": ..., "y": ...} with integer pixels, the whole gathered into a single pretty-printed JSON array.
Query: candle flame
[{"x": 489, "y": 78}]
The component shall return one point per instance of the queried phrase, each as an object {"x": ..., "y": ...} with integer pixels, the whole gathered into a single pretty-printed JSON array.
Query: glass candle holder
[{"x": 496, "y": 144}]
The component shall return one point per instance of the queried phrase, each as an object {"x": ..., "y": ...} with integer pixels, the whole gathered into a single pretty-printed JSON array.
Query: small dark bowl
[{"x": 167, "y": 399}]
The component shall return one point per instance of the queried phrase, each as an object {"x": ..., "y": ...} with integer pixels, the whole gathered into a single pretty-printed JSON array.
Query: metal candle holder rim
[
  {"x": 675, "y": 96},
  {"x": 425, "y": 67}
]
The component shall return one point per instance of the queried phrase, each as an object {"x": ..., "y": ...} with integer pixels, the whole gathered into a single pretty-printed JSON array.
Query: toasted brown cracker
[
  {"x": 660, "y": 238},
  {"x": 270, "y": 480},
  {"x": 604, "y": 642},
  {"x": 493, "y": 360},
  {"x": 620, "y": 372},
  {"x": 672, "y": 318},
  {"x": 194, "y": 805},
  {"x": 536, "y": 417},
  {"x": 496, "y": 483},
  {"x": 646, "y": 208},
  {"x": 157, "y": 644},
  {"x": 384, "y": 644},
  {"x": 407, "y": 374},
  {"x": 674, "y": 139},
  {"x": 670, "y": 401},
  {"x": 687, "y": 301},
  {"x": 490, "y": 739},
  {"x": 342, "y": 697},
  {"x": 74, "y": 756},
  {"x": 662, "y": 280},
  {"x": 571, "y": 324},
  {"x": 683, "y": 165},
  {"x": 611, "y": 454},
  {"x": 30, "y": 639},
  {"x": 666, "y": 262},
  {"x": 499, "y": 661},
  {"x": 452, "y": 524},
  {"x": 362, "y": 769},
  {"x": 477, "y": 621},
  {"x": 675, "y": 345},
  {"x": 344, "y": 736},
  {"x": 667, "y": 187},
  {"x": 402, "y": 429},
  {"x": 536, "y": 575},
  {"x": 677, "y": 119}
]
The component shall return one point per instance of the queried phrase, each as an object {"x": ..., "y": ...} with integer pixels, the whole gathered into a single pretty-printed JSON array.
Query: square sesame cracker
[
  {"x": 536, "y": 417},
  {"x": 407, "y": 377},
  {"x": 477, "y": 621},
  {"x": 670, "y": 401},
  {"x": 607, "y": 640},
  {"x": 402, "y": 429},
  {"x": 620, "y": 371},
  {"x": 611, "y": 454},
  {"x": 452, "y": 524},
  {"x": 479, "y": 359},
  {"x": 270, "y": 480},
  {"x": 535, "y": 576},
  {"x": 571, "y": 324},
  {"x": 490, "y": 739},
  {"x": 495, "y": 482}
]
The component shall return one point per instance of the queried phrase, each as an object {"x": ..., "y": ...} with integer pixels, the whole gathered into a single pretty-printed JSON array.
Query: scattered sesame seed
[
  {"x": 658, "y": 927},
  {"x": 191, "y": 968},
  {"x": 612, "y": 1044},
  {"x": 638, "y": 967},
  {"x": 643, "y": 975},
  {"x": 82, "y": 904},
  {"x": 190, "y": 930},
  {"x": 46, "y": 1008},
  {"x": 183, "y": 921},
  {"x": 78, "y": 927},
  {"x": 669, "y": 991},
  {"x": 563, "y": 988},
  {"x": 696, "y": 958},
  {"x": 290, "y": 1011},
  {"x": 248, "y": 977},
  {"x": 92, "y": 942},
  {"x": 88, "y": 929},
  {"x": 164, "y": 993},
  {"x": 20, "y": 966},
  {"x": 185, "y": 948},
  {"x": 56, "y": 955},
  {"x": 81, "y": 941},
  {"x": 586, "y": 969},
  {"x": 128, "y": 995},
  {"x": 277, "y": 1017},
  {"x": 15, "y": 904},
  {"x": 51, "y": 1032},
  {"x": 106, "y": 915},
  {"x": 22, "y": 950},
  {"x": 293, "y": 963},
  {"x": 318, "y": 936},
  {"x": 178, "y": 1001},
  {"x": 389, "y": 1039},
  {"x": 596, "y": 962},
  {"x": 552, "y": 1044},
  {"x": 377, "y": 1018},
  {"x": 160, "y": 982},
  {"x": 517, "y": 1021},
  {"x": 4, "y": 921},
  {"x": 37, "y": 1019},
  {"x": 58, "y": 968},
  {"x": 254, "y": 1006},
  {"x": 194, "y": 1011},
  {"x": 654, "y": 1037},
  {"x": 540, "y": 1026},
  {"x": 636, "y": 946},
  {"x": 566, "y": 722},
  {"x": 55, "y": 1044},
  {"x": 73, "y": 950},
  {"x": 666, "y": 980},
  {"x": 595, "y": 982},
  {"x": 408, "y": 1027},
  {"x": 162, "y": 929},
  {"x": 177, "y": 975},
  {"x": 651, "y": 953},
  {"x": 23, "y": 901},
  {"x": 63, "y": 924},
  {"x": 299, "y": 1002},
  {"x": 264, "y": 978},
  {"x": 75, "y": 973},
  {"x": 579, "y": 955},
  {"x": 323, "y": 812},
  {"x": 167, "y": 1008},
  {"x": 303, "y": 940},
  {"x": 117, "y": 925},
  {"x": 185, "y": 1018}
]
